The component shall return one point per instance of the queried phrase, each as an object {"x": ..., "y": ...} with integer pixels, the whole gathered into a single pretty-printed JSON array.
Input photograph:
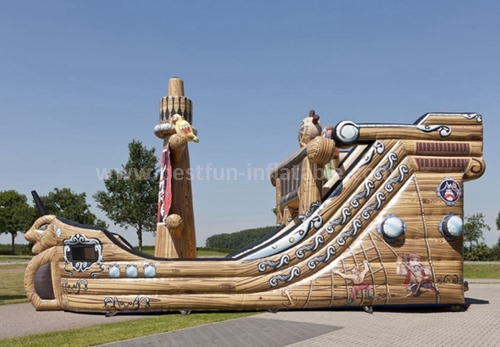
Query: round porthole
[
  {"x": 392, "y": 227},
  {"x": 114, "y": 271},
  {"x": 131, "y": 270},
  {"x": 451, "y": 226},
  {"x": 149, "y": 270}
]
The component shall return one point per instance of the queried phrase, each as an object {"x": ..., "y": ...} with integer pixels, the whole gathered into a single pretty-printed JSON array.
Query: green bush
[
  {"x": 482, "y": 252},
  {"x": 20, "y": 249},
  {"x": 147, "y": 249},
  {"x": 238, "y": 239}
]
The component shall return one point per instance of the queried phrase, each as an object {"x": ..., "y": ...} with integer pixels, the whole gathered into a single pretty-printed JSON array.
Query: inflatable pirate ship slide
[{"x": 368, "y": 215}]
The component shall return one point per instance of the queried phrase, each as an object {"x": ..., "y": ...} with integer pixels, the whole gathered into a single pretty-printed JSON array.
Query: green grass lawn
[
  {"x": 12, "y": 287},
  {"x": 12, "y": 284},
  {"x": 489, "y": 271},
  {"x": 14, "y": 258}
]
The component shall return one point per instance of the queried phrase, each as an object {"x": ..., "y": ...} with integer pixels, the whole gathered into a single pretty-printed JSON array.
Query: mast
[{"x": 175, "y": 232}]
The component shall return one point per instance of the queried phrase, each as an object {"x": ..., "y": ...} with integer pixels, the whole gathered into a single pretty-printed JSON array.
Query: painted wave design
[
  {"x": 369, "y": 186},
  {"x": 356, "y": 226},
  {"x": 274, "y": 264},
  {"x": 403, "y": 170},
  {"x": 294, "y": 272},
  {"x": 444, "y": 130},
  {"x": 325, "y": 258},
  {"x": 330, "y": 228},
  {"x": 476, "y": 116},
  {"x": 378, "y": 147},
  {"x": 392, "y": 159},
  {"x": 318, "y": 240},
  {"x": 379, "y": 201}
]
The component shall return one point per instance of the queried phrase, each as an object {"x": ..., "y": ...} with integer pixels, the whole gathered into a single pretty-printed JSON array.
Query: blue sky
[{"x": 79, "y": 80}]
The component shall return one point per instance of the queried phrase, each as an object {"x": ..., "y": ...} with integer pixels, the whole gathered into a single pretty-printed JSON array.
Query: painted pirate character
[
  {"x": 417, "y": 276},
  {"x": 358, "y": 282},
  {"x": 449, "y": 191}
]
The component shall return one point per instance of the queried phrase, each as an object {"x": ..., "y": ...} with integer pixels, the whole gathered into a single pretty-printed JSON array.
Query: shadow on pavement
[{"x": 472, "y": 301}]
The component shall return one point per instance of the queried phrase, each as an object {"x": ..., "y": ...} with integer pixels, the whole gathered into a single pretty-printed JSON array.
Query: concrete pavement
[{"x": 478, "y": 326}]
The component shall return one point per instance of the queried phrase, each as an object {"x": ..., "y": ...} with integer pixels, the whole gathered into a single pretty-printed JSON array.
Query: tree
[
  {"x": 67, "y": 204},
  {"x": 15, "y": 214},
  {"x": 474, "y": 228},
  {"x": 132, "y": 194},
  {"x": 495, "y": 251},
  {"x": 474, "y": 246}
]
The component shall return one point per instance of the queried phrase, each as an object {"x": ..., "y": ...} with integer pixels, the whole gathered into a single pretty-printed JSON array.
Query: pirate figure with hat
[
  {"x": 358, "y": 282},
  {"x": 417, "y": 277}
]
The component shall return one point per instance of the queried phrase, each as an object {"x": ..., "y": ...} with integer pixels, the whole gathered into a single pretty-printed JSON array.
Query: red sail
[{"x": 165, "y": 191}]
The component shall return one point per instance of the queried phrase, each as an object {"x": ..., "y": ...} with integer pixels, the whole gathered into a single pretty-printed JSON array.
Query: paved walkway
[{"x": 478, "y": 326}]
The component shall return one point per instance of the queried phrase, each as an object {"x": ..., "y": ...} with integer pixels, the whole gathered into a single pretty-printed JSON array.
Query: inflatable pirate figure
[
  {"x": 358, "y": 282},
  {"x": 418, "y": 277},
  {"x": 309, "y": 128}
]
